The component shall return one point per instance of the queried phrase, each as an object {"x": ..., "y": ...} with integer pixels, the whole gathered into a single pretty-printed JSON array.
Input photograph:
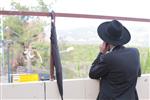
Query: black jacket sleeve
[
  {"x": 139, "y": 72},
  {"x": 98, "y": 68}
]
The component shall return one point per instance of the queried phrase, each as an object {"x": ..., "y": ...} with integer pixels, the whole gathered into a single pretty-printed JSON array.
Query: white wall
[
  {"x": 18, "y": 91},
  {"x": 143, "y": 87},
  {"x": 75, "y": 89}
]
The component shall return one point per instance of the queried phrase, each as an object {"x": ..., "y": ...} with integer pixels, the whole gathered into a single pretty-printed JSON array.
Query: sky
[
  {"x": 125, "y": 8},
  {"x": 130, "y": 8}
]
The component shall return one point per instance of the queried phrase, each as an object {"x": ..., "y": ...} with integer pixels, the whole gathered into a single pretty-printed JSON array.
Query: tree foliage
[{"x": 26, "y": 31}]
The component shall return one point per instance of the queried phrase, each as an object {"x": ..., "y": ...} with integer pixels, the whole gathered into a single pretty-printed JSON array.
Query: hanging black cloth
[{"x": 55, "y": 55}]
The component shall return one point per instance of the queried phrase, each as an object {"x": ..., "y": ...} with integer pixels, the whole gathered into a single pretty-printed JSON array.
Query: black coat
[{"x": 118, "y": 71}]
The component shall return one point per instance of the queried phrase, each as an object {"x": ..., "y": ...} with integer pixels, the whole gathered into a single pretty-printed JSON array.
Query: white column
[{"x": 2, "y": 46}]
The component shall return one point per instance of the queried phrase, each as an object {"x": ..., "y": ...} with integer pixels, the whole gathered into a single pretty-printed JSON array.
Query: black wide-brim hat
[{"x": 113, "y": 32}]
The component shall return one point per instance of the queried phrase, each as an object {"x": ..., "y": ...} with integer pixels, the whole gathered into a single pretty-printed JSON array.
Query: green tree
[{"x": 27, "y": 30}]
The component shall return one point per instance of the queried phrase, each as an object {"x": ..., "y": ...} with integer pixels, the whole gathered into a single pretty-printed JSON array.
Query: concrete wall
[
  {"x": 143, "y": 87},
  {"x": 19, "y": 91},
  {"x": 76, "y": 89}
]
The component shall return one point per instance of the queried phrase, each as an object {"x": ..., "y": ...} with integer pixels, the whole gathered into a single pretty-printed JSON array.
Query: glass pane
[
  {"x": 79, "y": 44},
  {"x": 26, "y": 46}
]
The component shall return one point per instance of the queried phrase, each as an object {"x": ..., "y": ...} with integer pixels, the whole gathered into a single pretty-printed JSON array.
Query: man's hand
[{"x": 104, "y": 48}]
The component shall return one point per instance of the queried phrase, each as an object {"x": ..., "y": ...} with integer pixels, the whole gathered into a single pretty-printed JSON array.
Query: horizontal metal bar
[
  {"x": 29, "y": 13},
  {"x": 102, "y": 17},
  {"x": 24, "y": 13}
]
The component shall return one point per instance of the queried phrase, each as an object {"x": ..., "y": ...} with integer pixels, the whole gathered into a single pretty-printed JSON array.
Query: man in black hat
[{"x": 117, "y": 66}]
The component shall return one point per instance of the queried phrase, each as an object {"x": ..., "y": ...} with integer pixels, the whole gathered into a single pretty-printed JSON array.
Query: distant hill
[
  {"x": 79, "y": 36},
  {"x": 88, "y": 35}
]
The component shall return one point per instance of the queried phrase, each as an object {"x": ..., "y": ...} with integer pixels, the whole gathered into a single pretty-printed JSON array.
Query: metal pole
[
  {"x": 2, "y": 47},
  {"x": 72, "y": 15},
  {"x": 8, "y": 61}
]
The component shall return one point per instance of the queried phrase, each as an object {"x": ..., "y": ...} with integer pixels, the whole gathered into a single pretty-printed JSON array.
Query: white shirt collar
[{"x": 112, "y": 49}]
